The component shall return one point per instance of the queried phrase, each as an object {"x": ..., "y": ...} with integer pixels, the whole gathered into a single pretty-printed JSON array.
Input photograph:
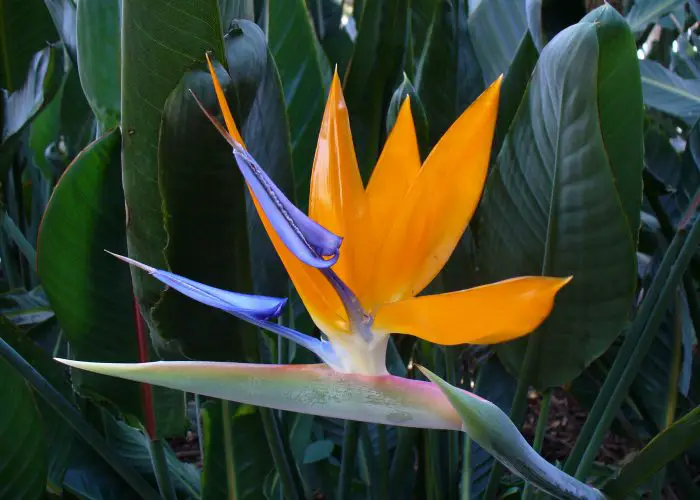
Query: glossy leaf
[
  {"x": 488, "y": 426},
  {"x": 449, "y": 76},
  {"x": 99, "y": 57},
  {"x": 557, "y": 161},
  {"x": 302, "y": 72},
  {"x": 43, "y": 80},
  {"x": 63, "y": 15},
  {"x": 665, "y": 446},
  {"x": 211, "y": 201},
  {"x": 644, "y": 12},
  {"x": 313, "y": 389},
  {"x": 89, "y": 290},
  {"x": 26, "y": 28},
  {"x": 23, "y": 466},
  {"x": 376, "y": 63},
  {"x": 495, "y": 29},
  {"x": 668, "y": 92},
  {"x": 153, "y": 62}
]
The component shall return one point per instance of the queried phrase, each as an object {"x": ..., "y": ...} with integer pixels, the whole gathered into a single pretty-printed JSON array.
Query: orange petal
[
  {"x": 393, "y": 175},
  {"x": 337, "y": 195},
  {"x": 487, "y": 314},
  {"x": 318, "y": 295},
  {"x": 223, "y": 104},
  {"x": 439, "y": 204}
]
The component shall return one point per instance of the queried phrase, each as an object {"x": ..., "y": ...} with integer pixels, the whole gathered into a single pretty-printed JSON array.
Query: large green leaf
[
  {"x": 23, "y": 465},
  {"x": 248, "y": 450},
  {"x": 666, "y": 446},
  {"x": 57, "y": 435},
  {"x": 43, "y": 81},
  {"x": 63, "y": 15},
  {"x": 496, "y": 28},
  {"x": 373, "y": 74},
  {"x": 133, "y": 445},
  {"x": 644, "y": 12},
  {"x": 302, "y": 71},
  {"x": 161, "y": 41},
  {"x": 668, "y": 92},
  {"x": 487, "y": 425},
  {"x": 99, "y": 58},
  {"x": 25, "y": 27},
  {"x": 448, "y": 78},
  {"x": 89, "y": 290},
  {"x": 564, "y": 196},
  {"x": 206, "y": 207}
]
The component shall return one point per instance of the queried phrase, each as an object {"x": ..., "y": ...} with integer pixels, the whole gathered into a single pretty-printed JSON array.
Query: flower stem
[
  {"x": 539, "y": 434},
  {"x": 347, "y": 464}
]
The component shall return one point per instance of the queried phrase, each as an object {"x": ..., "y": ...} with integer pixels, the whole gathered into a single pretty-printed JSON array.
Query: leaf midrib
[{"x": 671, "y": 88}]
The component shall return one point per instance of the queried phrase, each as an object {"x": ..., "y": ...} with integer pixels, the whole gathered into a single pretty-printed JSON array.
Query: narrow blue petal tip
[{"x": 310, "y": 242}]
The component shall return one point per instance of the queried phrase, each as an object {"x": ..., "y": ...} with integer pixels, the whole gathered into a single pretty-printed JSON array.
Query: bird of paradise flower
[{"x": 358, "y": 261}]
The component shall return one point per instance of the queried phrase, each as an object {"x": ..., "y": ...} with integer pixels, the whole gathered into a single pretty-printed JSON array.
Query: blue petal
[
  {"x": 307, "y": 240},
  {"x": 254, "y": 309},
  {"x": 310, "y": 242},
  {"x": 256, "y": 306}
]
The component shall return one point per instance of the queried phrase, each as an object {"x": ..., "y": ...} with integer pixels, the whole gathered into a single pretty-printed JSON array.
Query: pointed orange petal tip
[{"x": 223, "y": 104}]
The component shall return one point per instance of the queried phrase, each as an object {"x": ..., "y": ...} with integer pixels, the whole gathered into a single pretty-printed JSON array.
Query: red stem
[{"x": 146, "y": 389}]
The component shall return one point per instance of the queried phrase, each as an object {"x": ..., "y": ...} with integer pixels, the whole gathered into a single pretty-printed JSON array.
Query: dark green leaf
[
  {"x": 23, "y": 466},
  {"x": 495, "y": 29},
  {"x": 449, "y": 77},
  {"x": 668, "y": 92},
  {"x": 99, "y": 59},
  {"x": 374, "y": 72},
  {"x": 403, "y": 91},
  {"x": 575, "y": 143},
  {"x": 303, "y": 74},
  {"x": 644, "y": 12},
  {"x": 317, "y": 451},
  {"x": 63, "y": 15},
  {"x": 89, "y": 289},
  {"x": 249, "y": 461},
  {"x": 132, "y": 444},
  {"x": 43, "y": 81},
  {"x": 209, "y": 202},
  {"x": 666, "y": 446},
  {"x": 161, "y": 41},
  {"x": 26, "y": 27}
]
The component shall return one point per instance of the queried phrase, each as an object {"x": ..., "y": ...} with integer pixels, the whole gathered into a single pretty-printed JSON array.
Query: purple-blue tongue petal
[
  {"x": 254, "y": 309},
  {"x": 307, "y": 240},
  {"x": 256, "y": 306},
  {"x": 310, "y": 242}
]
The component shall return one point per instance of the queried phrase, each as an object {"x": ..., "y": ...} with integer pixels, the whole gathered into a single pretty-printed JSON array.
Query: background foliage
[{"x": 594, "y": 173}]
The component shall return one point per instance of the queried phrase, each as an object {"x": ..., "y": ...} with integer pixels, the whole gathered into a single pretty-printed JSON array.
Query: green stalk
[
  {"x": 648, "y": 325},
  {"x": 540, "y": 431},
  {"x": 671, "y": 390},
  {"x": 347, "y": 464},
  {"x": 160, "y": 469},
  {"x": 623, "y": 355},
  {"x": 517, "y": 411},
  {"x": 367, "y": 461},
  {"x": 291, "y": 485},
  {"x": 229, "y": 458},
  {"x": 76, "y": 421},
  {"x": 466, "y": 493},
  {"x": 15, "y": 234},
  {"x": 9, "y": 266},
  {"x": 383, "y": 488},
  {"x": 403, "y": 454}
]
